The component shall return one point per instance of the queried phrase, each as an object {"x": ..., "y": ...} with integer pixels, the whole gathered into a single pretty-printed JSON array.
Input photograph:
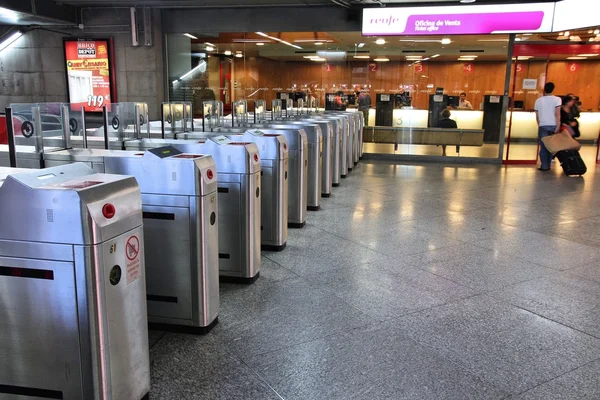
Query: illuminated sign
[
  {"x": 89, "y": 74},
  {"x": 458, "y": 20}
]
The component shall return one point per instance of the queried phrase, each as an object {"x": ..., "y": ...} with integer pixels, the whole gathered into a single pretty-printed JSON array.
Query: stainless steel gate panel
[
  {"x": 71, "y": 251},
  {"x": 239, "y": 163},
  {"x": 338, "y": 146},
  {"x": 180, "y": 211},
  {"x": 273, "y": 149},
  {"x": 329, "y": 149},
  {"x": 315, "y": 157}
]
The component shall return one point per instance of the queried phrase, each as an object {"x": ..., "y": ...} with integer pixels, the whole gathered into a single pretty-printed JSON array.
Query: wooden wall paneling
[{"x": 584, "y": 81}]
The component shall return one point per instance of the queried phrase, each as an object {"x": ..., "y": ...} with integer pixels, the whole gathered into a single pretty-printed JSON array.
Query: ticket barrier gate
[
  {"x": 328, "y": 154},
  {"x": 338, "y": 148},
  {"x": 239, "y": 196},
  {"x": 72, "y": 286},
  {"x": 273, "y": 149},
  {"x": 179, "y": 202},
  {"x": 315, "y": 157},
  {"x": 356, "y": 125},
  {"x": 297, "y": 167},
  {"x": 345, "y": 139}
]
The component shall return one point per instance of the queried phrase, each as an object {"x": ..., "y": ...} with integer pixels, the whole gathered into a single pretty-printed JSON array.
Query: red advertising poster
[{"x": 88, "y": 73}]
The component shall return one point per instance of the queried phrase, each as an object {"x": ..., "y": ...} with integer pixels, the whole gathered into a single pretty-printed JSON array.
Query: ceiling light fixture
[
  {"x": 210, "y": 48},
  {"x": 318, "y": 43},
  {"x": 381, "y": 59},
  {"x": 239, "y": 55},
  {"x": 524, "y": 57},
  {"x": 318, "y": 59},
  {"x": 576, "y": 58},
  {"x": 9, "y": 14},
  {"x": 310, "y": 57},
  {"x": 518, "y": 39},
  {"x": 587, "y": 55},
  {"x": 190, "y": 36},
  {"x": 597, "y": 31},
  {"x": 210, "y": 44},
  {"x": 467, "y": 1},
  {"x": 360, "y": 45},
  {"x": 260, "y": 44},
  {"x": 10, "y": 40},
  {"x": 446, "y": 41},
  {"x": 363, "y": 57},
  {"x": 278, "y": 40},
  {"x": 227, "y": 52},
  {"x": 435, "y": 56},
  {"x": 380, "y": 41}
]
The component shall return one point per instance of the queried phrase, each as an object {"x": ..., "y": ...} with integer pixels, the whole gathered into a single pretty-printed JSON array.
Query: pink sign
[{"x": 458, "y": 20}]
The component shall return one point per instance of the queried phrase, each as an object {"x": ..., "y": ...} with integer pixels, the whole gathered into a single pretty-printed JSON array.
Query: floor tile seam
[
  {"x": 558, "y": 237},
  {"x": 436, "y": 353},
  {"x": 521, "y": 258},
  {"x": 314, "y": 339},
  {"x": 543, "y": 316},
  {"x": 259, "y": 376},
  {"x": 351, "y": 240},
  {"x": 558, "y": 376},
  {"x": 427, "y": 309},
  {"x": 281, "y": 266}
]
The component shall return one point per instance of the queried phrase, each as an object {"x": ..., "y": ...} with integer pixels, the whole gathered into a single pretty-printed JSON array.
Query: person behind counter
[
  {"x": 339, "y": 103},
  {"x": 463, "y": 103},
  {"x": 364, "y": 104},
  {"x": 447, "y": 123}
]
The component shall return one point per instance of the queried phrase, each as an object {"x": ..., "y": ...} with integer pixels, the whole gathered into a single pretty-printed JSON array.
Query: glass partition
[
  {"x": 400, "y": 84},
  {"x": 574, "y": 69}
]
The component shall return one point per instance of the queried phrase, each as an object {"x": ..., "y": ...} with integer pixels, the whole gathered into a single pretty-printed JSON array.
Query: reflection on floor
[
  {"x": 518, "y": 151},
  {"x": 414, "y": 282}
]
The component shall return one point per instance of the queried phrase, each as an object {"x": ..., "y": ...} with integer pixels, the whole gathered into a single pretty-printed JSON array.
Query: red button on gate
[
  {"x": 209, "y": 174},
  {"x": 256, "y": 157},
  {"x": 108, "y": 211}
]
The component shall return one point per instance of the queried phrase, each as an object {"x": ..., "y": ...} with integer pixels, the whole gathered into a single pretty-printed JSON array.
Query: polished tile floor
[{"x": 413, "y": 282}]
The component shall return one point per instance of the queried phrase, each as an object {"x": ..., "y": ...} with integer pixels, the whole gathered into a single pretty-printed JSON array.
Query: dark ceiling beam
[{"x": 44, "y": 10}]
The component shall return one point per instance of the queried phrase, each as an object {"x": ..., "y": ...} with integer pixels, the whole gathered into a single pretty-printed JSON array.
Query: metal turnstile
[
  {"x": 273, "y": 149},
  {"x": 239, "y": 196},
  {"x": 72, "y": 286},
  {"x": 315, "y": 157},
  {"x": 338, "y": 147},
  {"x": 179, "y": 201},
  {"x": 328, "y": 152},
  {"x": 297, "y": 171}
]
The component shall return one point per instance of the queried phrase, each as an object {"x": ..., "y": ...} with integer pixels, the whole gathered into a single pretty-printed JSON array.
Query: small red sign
[
  {"x": 373, "y": 67},
  {"x": 519, "y": 67},
  {"x": 419, "y": 68},
  {"x": 573, "y": 67},
  {"x": 132, "y": 249},
  {"x": 468, "y": 67},
  {"x": 328, "y": 67}
]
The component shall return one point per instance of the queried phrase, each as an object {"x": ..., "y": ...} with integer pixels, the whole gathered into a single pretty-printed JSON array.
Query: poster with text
[{"x": 88, "y": 74}]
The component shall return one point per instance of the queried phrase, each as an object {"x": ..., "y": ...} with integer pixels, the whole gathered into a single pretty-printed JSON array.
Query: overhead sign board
[
  {"x": 575, "y": 14},
  {"x": 89, "y": 73},
  {"x": 458, "y": 20}
]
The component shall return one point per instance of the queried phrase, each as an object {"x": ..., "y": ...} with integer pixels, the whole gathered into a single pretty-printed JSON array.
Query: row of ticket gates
[{"x": 103, "y": 231}]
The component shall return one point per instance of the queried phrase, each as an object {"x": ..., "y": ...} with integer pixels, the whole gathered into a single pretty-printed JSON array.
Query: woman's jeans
[{"x": 545, "y": 156}]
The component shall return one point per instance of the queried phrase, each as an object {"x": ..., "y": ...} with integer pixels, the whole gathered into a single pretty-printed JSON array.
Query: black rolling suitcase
[{"x": 571, "y": 162}]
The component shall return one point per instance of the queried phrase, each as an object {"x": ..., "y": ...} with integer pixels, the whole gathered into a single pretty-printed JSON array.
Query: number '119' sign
[{"x": 89, "y": 73}]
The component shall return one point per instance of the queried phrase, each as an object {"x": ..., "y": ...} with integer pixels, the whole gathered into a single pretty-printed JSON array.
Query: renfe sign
[{"x": 458, "y": 20}]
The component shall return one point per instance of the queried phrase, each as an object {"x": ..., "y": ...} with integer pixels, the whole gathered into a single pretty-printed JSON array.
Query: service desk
[
  {"x": 524, "y": 126},
  {"x": 414, "y": 118}
]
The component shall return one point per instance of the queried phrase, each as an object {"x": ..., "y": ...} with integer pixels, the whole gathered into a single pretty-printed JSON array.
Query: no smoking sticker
[{"x": 132, "y": 252}]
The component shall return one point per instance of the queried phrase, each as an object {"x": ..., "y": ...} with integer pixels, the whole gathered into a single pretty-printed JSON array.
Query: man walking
[{"x": 547, "y": 114}]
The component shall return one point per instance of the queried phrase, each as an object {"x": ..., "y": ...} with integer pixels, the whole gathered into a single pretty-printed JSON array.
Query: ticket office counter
[
  {"x": 524, "y": 125},
  {"x": 414, "y": 118}
]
